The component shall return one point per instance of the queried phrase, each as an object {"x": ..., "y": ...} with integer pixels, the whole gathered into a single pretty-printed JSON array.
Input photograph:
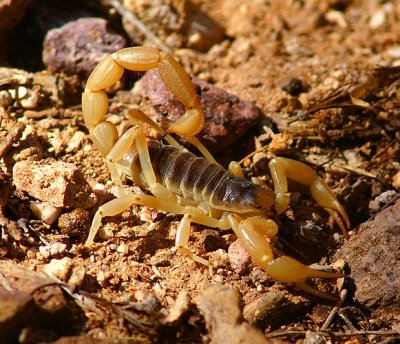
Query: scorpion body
[
  {"x": 197, "y": 188},
  {"x": 195, "y": 178}
]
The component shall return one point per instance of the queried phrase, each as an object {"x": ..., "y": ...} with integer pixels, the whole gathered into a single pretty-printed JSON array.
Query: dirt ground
[{"x": 324, "y": 75}]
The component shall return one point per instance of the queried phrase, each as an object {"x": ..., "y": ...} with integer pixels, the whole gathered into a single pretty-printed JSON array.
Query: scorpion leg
[
  {"x": 254, "y": 233},
  {"x": 283, "y": 168},
  {"x": 182, "y": 240},
  {"x": 139, "y": 116},
  {"x": 191, "y": 214}
]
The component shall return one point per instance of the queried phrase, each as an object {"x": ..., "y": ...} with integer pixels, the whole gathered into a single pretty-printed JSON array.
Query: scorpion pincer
[{"x": 196, "y": 187}]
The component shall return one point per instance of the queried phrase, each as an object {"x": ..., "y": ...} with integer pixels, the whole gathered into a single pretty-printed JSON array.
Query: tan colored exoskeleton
[{"x": 196, "y": 187}]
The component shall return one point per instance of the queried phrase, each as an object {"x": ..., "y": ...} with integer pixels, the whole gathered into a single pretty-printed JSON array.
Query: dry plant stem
[
  {"x": 327, "y": 323},
  {"x": 24, "y": 225},
  {"x": 133, "y": 20},
  {"x": 347, "y": 321},
  {"x": 13, "y": 131}
]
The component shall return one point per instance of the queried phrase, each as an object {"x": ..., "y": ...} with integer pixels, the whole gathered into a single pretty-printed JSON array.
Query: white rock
[{"x": 45, "y": 212}]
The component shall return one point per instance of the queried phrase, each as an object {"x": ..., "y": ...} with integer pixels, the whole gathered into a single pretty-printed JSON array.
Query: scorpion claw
[
  {"x": 289, "y": 270},
  {"x": 303, "y": 285}
]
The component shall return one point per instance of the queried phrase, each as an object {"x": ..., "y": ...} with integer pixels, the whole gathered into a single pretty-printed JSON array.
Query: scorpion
[{"x": 198, "y": 188}]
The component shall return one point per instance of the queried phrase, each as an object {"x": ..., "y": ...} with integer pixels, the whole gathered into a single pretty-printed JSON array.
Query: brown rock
[
  {"x": 58, "y": 183},
  {"x": 374, "y": 258},
  {"x": 31, "y": 306},
  {"x": 75, "y": 223},
  {"x": 221, "y": 308},
  {"x": 273, "y": 309},
  {"x": 78, "y": 46},
  {"x": 227, "y": 116},
  {"x": 15, "y": 309}
]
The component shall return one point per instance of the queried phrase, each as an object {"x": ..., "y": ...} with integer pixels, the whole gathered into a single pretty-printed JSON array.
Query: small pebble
[
  {"x": 59, "y": 268},
  {"x": 396, "y": 181},
  {"x": 179, "y": 308},
  {"x": 123, "y": 248},
  {"x": 5, "y": 99},
  {"x": 101, "y": 278},
  {"x": 76, "y": 141},
  {"x": 45, "y": 212},
  {"x": 239, "y": 258},
  {"x": 377, "y": 20}
]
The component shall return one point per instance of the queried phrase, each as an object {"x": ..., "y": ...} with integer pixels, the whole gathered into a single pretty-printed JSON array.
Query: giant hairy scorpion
[{"x": 196, "y": 187}]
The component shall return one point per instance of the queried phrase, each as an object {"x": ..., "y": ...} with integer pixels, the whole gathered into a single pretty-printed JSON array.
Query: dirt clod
[
  {"x": 75, "y": 223},
  {"x": 58, "y": 183},
  {"x": 220, "y": 306}
]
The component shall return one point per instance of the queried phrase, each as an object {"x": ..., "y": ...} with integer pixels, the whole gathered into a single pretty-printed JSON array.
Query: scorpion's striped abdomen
[{"x": 196, "y": 178}]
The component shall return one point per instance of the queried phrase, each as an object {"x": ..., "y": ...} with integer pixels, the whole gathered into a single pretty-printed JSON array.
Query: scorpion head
[{"x": 247, "y": 197}]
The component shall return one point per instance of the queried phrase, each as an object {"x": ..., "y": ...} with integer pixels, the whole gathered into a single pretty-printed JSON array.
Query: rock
[
  {"x": 273, "y": 309},
  {"x": 293, "y": 86},
  {"x": 45, "y": 212},
  {"x": 220, "y": 306},
  {"x": 180, "y": 307},
  {"x": 49, "y": 305},
  {"x": 396, "y": 181},
  {"x": 374, "y": 258},
  {"x": 123, "y": 248},
  {"x": 75, "y": 223},
  {"x": 60, "y": 184},
  {"x": 239, "y": 258},
  {"x": 52, "y": 250},
  {"x": 78, "y": 46},
  {"x": 16, "y": 308},
  {"x": 227, "y": 116}
]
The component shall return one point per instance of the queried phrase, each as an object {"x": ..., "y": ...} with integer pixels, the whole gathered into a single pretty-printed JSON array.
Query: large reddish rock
[
  {"x": 227, "y": 116},
  {"x": 78, "y": 46}
]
